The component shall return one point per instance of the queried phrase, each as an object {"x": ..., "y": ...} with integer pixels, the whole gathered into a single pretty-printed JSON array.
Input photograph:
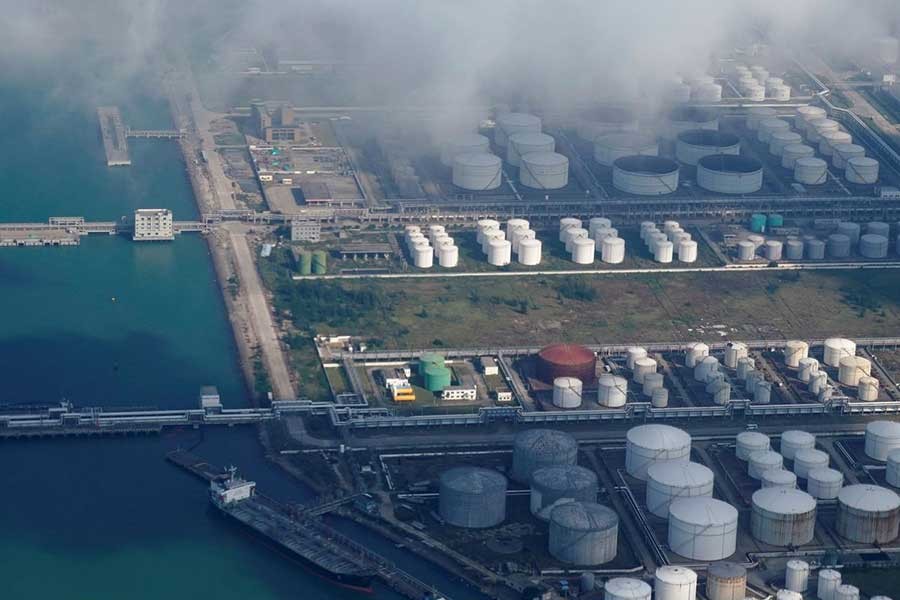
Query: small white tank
[
  {"x": 663, "y": 252},
  {"x": 632, "y": 354},
  {"x": 651, "y": 382},
  {"x": 796, "y": 575},
  {"x": 746, "y": 250},
  {"x": 485, "y": 225},
  {"x": 830, "y": 140},
  {"x": 762, "y": 393},
  {"x": 806, "y": 368},
  {"x": 805, "y": 114},
  {"x": 873, "y": 246},
  {"x": 810, "y": 171},
  {"x": 566, "y": 223},
  {"x": 448, "y": 256},
  {"x": 748, "y": 442},
  {"x": 567, "y": 392},
  {"x": 583, "y": 251},
  {"x": 735, "y": 351},
  {"x": 817, "y": 127},
  {"x": 778, "y": 478},
  {"x": 659, "y": 398},
  {"x": 521, "y": 234},
  {"x": 687, "y": 251},
  {"x": 489, "y": 236},
  {"x": 643, "y": 366},
  {"x": 761, "y": 461},
  {"x": 814, "y": 249},
  {"x": 793, "y": 440},
  {"x": 809, "y": 459},
  {"x": 861, "y": 170},
  {"x": 626, "y": 588},
  {"x": 851, "y": 368},
  {"x": 596, "y": 223},
  {"x": 755, "y": 93},
  {"x": 841, "y": 153},
  {"x": 824, "y": 483},
  {"x": 779, "y": 93},
  {"x": 499, "y": 252},
  {"x": 612, "y": 391},
  {"x": 779, "y": 139},
  {"x": 773, "y": 250},
  {"x": 530, "y": 252},
  {"x": 612, "y": 250},
  {"x": 769, "y": 126},
  {"x": 423, "y": 257},
  {"x": 867, "y": 389},
  {"x": 523, "y": 143},
  {"x": 695, "y": 353},
  {"x": 838, "y": 245},
  {"x": 793, "y": 249},
  {"x": 788, "y": 595},
  {"x": 791, "y": 152},
  {"x": 846, "y": 592},
  {"x": 828, "y": 582},
  {"x": 571, "y": 234}
]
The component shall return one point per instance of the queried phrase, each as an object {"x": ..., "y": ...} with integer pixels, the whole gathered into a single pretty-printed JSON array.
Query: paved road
[{"x": 261, "y": 319}]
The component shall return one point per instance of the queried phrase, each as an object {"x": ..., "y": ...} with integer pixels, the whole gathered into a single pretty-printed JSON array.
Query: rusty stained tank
[{"x": 566, "y": 360}]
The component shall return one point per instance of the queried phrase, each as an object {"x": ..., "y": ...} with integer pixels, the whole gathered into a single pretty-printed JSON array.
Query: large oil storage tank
[
  {"x": 472, "y": 497},
  {"x": 817, "y": 127},
  {"x": 695, "y": 353},
  {"x": 824, "y": 483},
  {"x": 667, "y": 482},
  {"x": 778, "y": 478},
  {"x": 836, "y": 349},
  {"x": 626, "y": 588},
  {"x": 728, "y": 174},
  {"x": 792, "y": 152},
  {"x": 509, "y": 124},
  {"x": 464, "y": 144},
  {"x": 810, "y": 170},
  {"x": 794, "y": 350},
  {"x": 552, "y": 486},
  {"x": 674, "y": 583},
  {"x": 851, "y": 368},
  {"x": 567, "y": 392},
  {"x": 726, "y": 581},
  {"x": 613, "y": 146},
  {"x": 544, "y": 170},
  {"x": 757, "y": 114},
  {"x": 603, "y": 120},
  {"x": 702, "y": 528},
  {"x": 780, "y": 139},
  {"x": 734, "y": 351},
  {"x": 566, "y": 360},
  {"x": 645, "y": 175},
  {"x": 769, "y": 126},
  {"x": 538, "y": 448},
  {"x": 583, "y": 533},
  {"x": 793, "y": 440},
  {"x": 868, "y": 514},
  {"x": 892, "y": 472},
  {"x": 841, "y": 153},
  {"x": 685, "y": 118},
  {"x": 805, "y": 114},
  {"x": 861, "y": 170},
  {"x": 832, "y": 139},
  {"x": 762, "y": 461},
  {"x": 477, "y": 171},
  {"x": 650, "y": 444},
  {"x": 748, "y": 442},
  {"x": 808, "y": 459},
  {"x": 783, "y": 517},
  {"x": 521, "y": 144},
  {"x": 694, "y": 144},
  {"x": 612, "y": 390}
]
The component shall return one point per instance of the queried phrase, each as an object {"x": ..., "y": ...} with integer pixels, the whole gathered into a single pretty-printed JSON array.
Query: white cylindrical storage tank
[
  {"x": 423, "y": 257},
  {"x": 838, "y": 348},
  {"x": 755, "y": 93},
  {"x": 694, "y": 144},
  {"x": 792, "y": 152},
  {"x": 783, "y": 517},
  {"x": 674, "y": 583},
  {"x": 841, "y": 153},
  {"x": 868, "y": 514},
  {"x": 807, "y": 367},
  {"x": 781, "y": 139},
  {"x": 746, "y": 250},
  {"x": 659, "y": 398},
  {"x": 757, "y": 114},
  {"x": 544, "y": 170},
  {"x": 464, "y": 144},
  {"x": 477, "y": 171},
  {"x": 664, "y": 252},
  {"x": 524, "y": 143},
  {"x": 472, "y": 497},
  {"x": 861, "y": 170},
  {"x": 687, "y": 251},
  {"x": 530, "y": 252},
  {"x": 601, "y": 233},
  {"x": 651, "y": 382},
  {"x": 817, "y": 127},
  {"x": 489, "y": 236},
  {"x": 728, "y": 174},
  {"x": 809, "y": 459},
  {"x": 810, "y": 171},
  {"x": 851, "y": 368},
  {"x": 759, "y": 462},
  {"x": 867, "y": 389},
  {"x": 892, "y": 471},
  {"x": 793, "y": 440},
  {"x": 513, "y": 225},
  {"x": 773, "y": 250},
  {"x": 748, "y": 442},
  {"x": 851, "y": 230},
  {"x": 535, "y": 449},
  {"x": 846, "y": 592},
  {"x": 568, "y": 222},
  {"x": 778, "y": 478},
  {"x": 612, "y": 390},
  {"x": 796, "y": 575},
  {"x": 706, "y": 366},
  {"x": 762, "y": 393},
  {"x": 499, "y": 252},
  {"x": 805, "y": 114},
  {"x": 583, "y": 251},
  {"x": 832, "y": 139},
  {"x": 596, "y": 223},
  {"x": 552, "y": 486},
  {"x": 509, "y": 124},
  {"x": 873, "y": 246},
  {"x": 569, "y": 234},
  {"x": 645, "y": 175},
  {"x": 634, "y": 353},
  {"x": 626, "y": 588},
  {"x": 769, "y": 126},
  {"x": 485, "y": 225},
  {"x": 643, "y": 366},
  {"x": 567, "y": 392},
  {"x": 824, "y": 483},
  {"x": 611, "y": 147},
  {"x": 702, "y": 528},
  {"x": 650, "y": 444},
  {"x": 667, "y": 483},
  {"x": 744, "y": 366},
  {"x": 726, "y": 581},
  {"x": 521, "y": 234},
  {"x": 734, "y": 351},
  {"x": 794, "y": 352},
  {"x": 838, "y": 245},
  {"x": 583, "y": 533},
  {"x": 829, "y": 581},
  {"x": 779, "y": 93},
  {"x": 695, "y": 353},
  {"x": 753, "y": 379},
  {"x": 814, "y": 249},
  {"x": 612, "y": 250},
  {"x": 448, "y": 256}
]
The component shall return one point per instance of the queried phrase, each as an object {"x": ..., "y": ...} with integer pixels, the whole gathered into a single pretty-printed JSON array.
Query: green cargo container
[
  {"x": 437, "y": 377},
  {"x": 775, "y": 220},
  {"x": 758, "y": 223},
  {"x": 305, "y": 260},
  {"x": 319, "y": 262},
  {"x": 430, "y": 358}
]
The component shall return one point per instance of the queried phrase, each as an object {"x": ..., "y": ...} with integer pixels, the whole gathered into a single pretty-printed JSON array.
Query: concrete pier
[{"x": 113, "y": 130}]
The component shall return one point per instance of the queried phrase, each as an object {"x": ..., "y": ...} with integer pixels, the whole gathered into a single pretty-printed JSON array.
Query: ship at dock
[{"x": 315, "y": 547}]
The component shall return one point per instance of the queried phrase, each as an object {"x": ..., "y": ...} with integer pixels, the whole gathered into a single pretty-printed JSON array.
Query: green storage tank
[
  {"x": 437, "y": 377},
  {"x": 305, "y": 260},
  {"x": 319, "y": 262},
  {"x": 775, "y": 220},
  {"x": 430, "y": 358},
  {"x": 758, "y": 223}
]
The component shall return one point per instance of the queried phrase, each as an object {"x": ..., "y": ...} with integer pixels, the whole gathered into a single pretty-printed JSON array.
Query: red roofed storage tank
[{"x": 566, "y": 360}]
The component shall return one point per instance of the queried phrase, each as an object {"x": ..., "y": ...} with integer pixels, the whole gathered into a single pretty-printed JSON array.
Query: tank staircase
[{"x": 309, "y": 524}]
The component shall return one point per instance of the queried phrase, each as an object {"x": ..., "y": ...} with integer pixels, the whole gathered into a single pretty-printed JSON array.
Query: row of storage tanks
[
  {"x": 600, "y": 237},
  {"x": 670, "y": 243},
  {"x": 871, "y": 241},
  {"x": 756, "y": 84},
  {"x": 822, "y": 135},
  {"x": 426, "y": 245},
  {"x": 476, "y": 168}
]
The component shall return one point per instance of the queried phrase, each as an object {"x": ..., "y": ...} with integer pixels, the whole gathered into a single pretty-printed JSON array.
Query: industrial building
[{"x": 153, "y": 224}]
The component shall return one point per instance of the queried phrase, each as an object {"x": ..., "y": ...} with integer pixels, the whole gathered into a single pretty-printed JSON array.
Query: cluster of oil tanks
[
  {"x": 499, "y": 245},
  {"x": 670, "y": 243},
  {"x": 724, "y": 581},
  {"x": 871, "y": 241},
  {"x": 426, "y": 245},
  {"x": 756, "y": 84},
  {"x": 312, "y": 263},
  {"x": 709, "y": 371}
]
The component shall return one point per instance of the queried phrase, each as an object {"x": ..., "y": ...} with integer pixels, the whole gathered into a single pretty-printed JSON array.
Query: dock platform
[{"x": 113, "y": 130}]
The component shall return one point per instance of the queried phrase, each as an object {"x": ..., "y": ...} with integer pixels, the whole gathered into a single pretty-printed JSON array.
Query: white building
[
  {"x": 489, "y": 366},
  {"x": 153, "y": 224},
  {"x": 305, "y": 231},
  {"x": 459, "y": 393}
]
